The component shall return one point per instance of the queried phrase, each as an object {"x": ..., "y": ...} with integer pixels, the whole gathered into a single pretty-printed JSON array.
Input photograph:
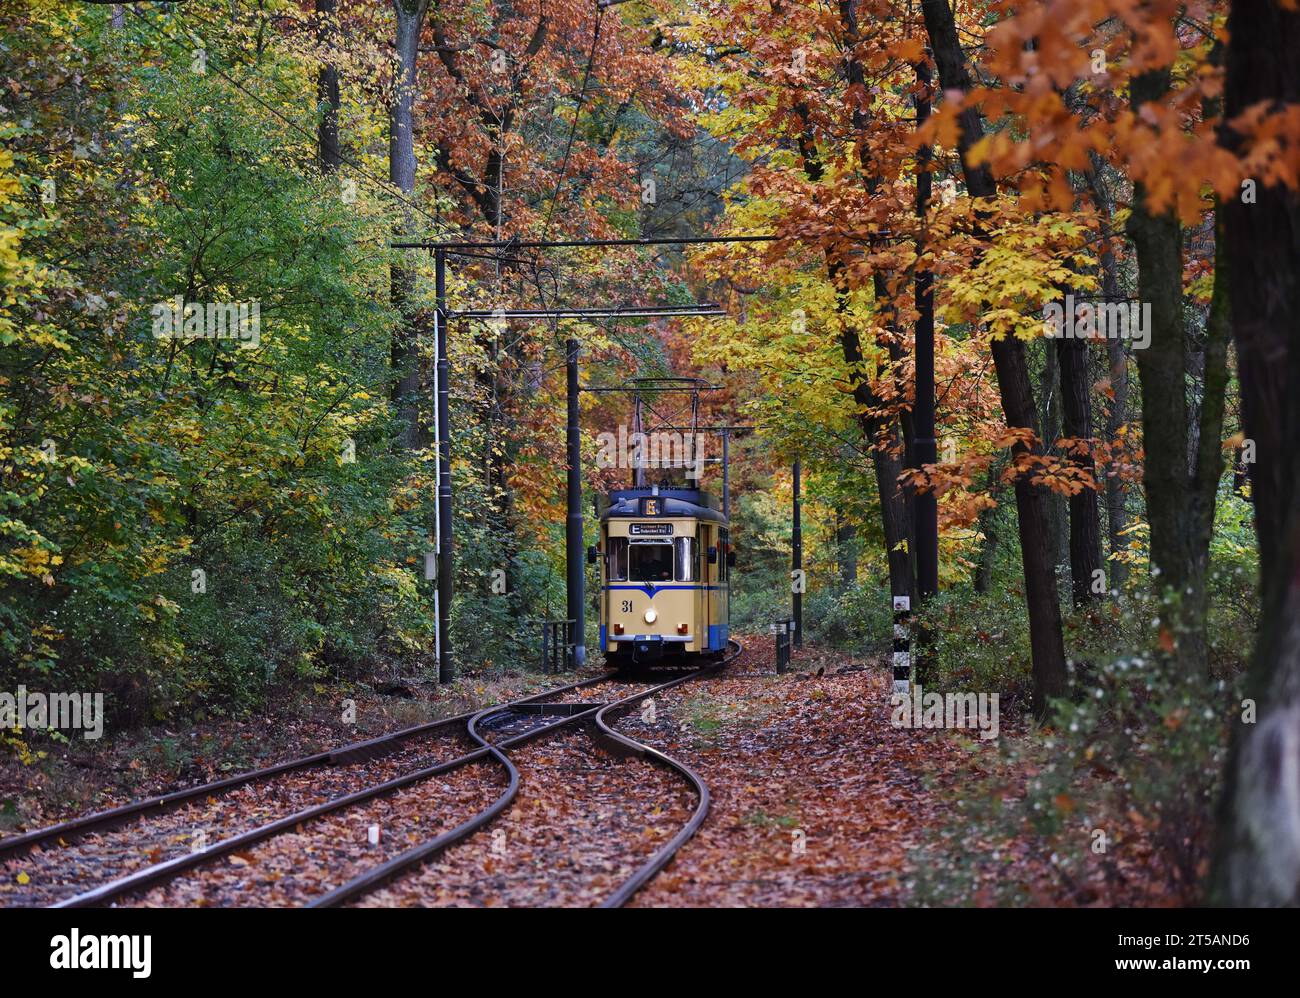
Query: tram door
[{"x": 705, "y": 613}]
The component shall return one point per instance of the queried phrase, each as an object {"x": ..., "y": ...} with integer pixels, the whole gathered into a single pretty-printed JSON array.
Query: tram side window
[
  {"x": 651, "y": 562},
  {"x": 617, "y": 559},
  {"x": 724, "y": 542},
  {"x": 688, "y": 569}
]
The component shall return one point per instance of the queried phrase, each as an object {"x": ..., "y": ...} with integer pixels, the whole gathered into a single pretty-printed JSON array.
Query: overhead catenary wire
[
  {"x": 614, "y": 312},
  {"x": 454, "y": 246}
]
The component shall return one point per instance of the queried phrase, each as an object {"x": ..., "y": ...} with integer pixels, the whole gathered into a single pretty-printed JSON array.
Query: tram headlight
[{"x": 651, "y": 616}]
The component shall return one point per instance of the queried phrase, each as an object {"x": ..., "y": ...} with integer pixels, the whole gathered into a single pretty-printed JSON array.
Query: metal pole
[
  {"x": 726, "y": 474},
  {"x": 638, "y": 467},
  {"x": 446, "y": 672},
  {"x": 925, "y": 447},
  {"x": 796, "y": 556},
  {"x": 573, "y": 524},
  {"x": 431, "y": 562}
]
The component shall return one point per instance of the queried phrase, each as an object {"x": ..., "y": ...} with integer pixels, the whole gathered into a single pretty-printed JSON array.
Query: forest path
[{"x": 816, "y": 798}]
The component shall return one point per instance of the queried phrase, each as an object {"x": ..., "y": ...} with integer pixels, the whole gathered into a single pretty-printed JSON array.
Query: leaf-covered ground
[
  {"x": 43, "y": 875},
  {"x": 65, "y": 779},
  {"x": 817, "y": 800},
  {"x": 582, "y": 823},
  {"x": 293, "y": 869}
]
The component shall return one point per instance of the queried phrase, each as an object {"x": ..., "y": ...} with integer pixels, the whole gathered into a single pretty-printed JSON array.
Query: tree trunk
[
  {"x": 925, "y": 505},
  {"x": 1117, "y": 374},
  {"x": 846, "y": 547},
  {"x": 404, "y": 352},
  {"x": 1163, "y": 368},
  {"x": 879, "y": 428},
  {"x": 1117, "y": 521},
  {"x": 1046, "y": 643},
  {"x": 988, "y": 526},
  {"x": 1257, "y": 861},
  {"x": 401, "y": 131},
  {"x": 327, "y": 91},
  {"x": 1180, "y": 497},
  {"x": 1208, "y": 460},
  {"x": 1049, "y": 404},
  {"x": 880, "y": 433},
  {"x": 1076, "y": 417}
]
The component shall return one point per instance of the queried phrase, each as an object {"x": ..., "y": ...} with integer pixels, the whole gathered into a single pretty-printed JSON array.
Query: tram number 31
[{"x": 627, "y": 606}]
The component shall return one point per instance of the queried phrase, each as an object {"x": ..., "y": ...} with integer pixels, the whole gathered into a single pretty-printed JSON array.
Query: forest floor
[{"x": 817, "y": 799}]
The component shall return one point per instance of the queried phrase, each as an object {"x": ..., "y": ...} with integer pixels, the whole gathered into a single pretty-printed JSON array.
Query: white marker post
[{"x": 902, "y": 645}]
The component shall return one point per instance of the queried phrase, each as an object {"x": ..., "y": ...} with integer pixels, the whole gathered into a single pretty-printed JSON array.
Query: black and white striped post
[{"x": 903, "y": 645}]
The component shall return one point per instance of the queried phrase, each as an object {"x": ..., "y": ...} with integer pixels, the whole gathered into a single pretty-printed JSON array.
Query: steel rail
[
  {"x": 161, "y": 872},
  {"x": 622, "y": 745},
  {"x": 75, "y": 828},
  {"x": 398, "y": 865},
  {"x": 384, "y": 873}
]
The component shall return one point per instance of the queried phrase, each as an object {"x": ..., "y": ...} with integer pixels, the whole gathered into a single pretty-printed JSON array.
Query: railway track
[
  {"x": 489, "y": 732},
  {"x": 145, "y": 832},
  {"x": 604, "y": 716}
]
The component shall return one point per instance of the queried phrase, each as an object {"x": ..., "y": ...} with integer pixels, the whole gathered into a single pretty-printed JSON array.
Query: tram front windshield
[{"x": 651, "y": 562}]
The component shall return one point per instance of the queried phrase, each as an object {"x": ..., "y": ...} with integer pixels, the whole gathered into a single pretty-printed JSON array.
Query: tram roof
[{"x": 675, "y": 501}]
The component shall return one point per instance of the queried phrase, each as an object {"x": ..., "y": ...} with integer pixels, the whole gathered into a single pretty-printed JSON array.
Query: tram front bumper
[{"x": 647, "y": 648}]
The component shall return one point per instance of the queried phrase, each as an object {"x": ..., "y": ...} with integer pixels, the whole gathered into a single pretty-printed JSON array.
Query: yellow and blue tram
[{"x": 665, "y": 560}]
